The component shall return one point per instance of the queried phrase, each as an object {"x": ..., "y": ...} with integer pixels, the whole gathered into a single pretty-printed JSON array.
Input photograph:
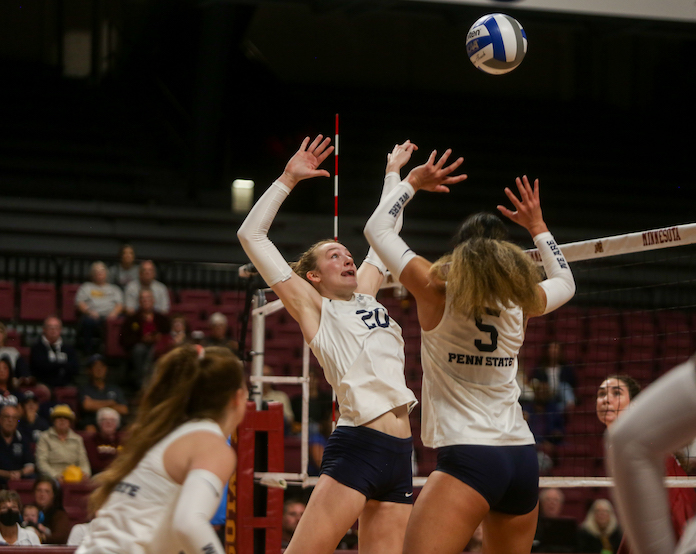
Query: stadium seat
[
  {"x": 293, "y": 455},
  {"x": 37, "y": 300},
  {"x": 75, "y": 500},
  {"x": 203, "y": 298},
  {"x": 113, "y": 338},
  {"x": 7, "y": 301},
  {"x": 13, "y": 338},
  {"x": 192, "y": 312},
  {"x": 232, "y": 297},
  {"x": 68, "y": 310},
  {"x": 24, "y": 488},
  {"x": 66, "y": 395}
]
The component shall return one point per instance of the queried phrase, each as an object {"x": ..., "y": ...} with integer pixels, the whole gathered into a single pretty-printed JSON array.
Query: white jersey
[
  {"x": 137, "y": 516},
  {"x": 362, "y": 352},
  {"x": 470, "y": 392}
]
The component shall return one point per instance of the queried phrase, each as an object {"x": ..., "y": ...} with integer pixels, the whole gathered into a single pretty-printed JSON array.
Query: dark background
[{"x": 191, "y": 95}]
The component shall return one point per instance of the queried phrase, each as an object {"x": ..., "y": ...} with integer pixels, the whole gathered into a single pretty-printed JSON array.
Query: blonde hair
[
  {"x": 590, "y": 525},
  {"x": 484, "y": 271},
  {"x": 183, "y": 388},
  {"x": 308, "y": 260}
]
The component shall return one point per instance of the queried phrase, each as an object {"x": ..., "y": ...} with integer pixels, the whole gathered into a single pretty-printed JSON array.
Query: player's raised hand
[
  {"x": 400, "y": 156},
  {"x": 434, "y": 176},
  {"x": 527, "y": 207},
  {"x": 306, "y": 161}
]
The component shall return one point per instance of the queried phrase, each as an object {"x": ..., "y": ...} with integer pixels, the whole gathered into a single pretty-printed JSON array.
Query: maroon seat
[
  {"x": 192, "y": 312},
  {"x": 24, "y": 488},
  {"x": 293, "y": 455},
  {"x": 13, "y": 338},
  {"x": 113, "y": 338},
  {"x": 66, "y": 395},
  {"x": 202, "y": 298},
  {"x": 68, "y": 310},
  {"x": 7, "y": 300},
  {"x": 38, "y": 300},
  {"x": 75, "y": 500}
]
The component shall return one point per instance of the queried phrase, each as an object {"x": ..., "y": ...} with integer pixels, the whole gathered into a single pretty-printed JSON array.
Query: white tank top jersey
[
  {"x": 470, "y": 394},
  {"x": 137, "y": 516},
  {"x": 362, "y": 352}
]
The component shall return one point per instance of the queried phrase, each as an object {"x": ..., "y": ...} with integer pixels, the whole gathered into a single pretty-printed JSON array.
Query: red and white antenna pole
[{"x": 336, "y": 182}]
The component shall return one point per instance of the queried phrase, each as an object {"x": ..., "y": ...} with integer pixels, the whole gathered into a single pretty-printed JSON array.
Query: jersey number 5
[{"x": 483, "y": 347}]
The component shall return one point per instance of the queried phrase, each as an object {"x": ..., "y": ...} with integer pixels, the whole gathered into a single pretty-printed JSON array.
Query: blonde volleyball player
[
  {"x": 473, "y": 305},
  {"x": 660, "y": 421},
  {"x": 160, "y": 493},
  {"x": 366, "y": 467}
]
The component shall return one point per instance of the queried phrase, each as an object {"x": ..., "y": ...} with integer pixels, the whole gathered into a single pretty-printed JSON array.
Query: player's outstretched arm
[
  {"x": 372, "y": 270},
  {"x": 559, "y": 287},
  {"x": 300, "y": 299}
]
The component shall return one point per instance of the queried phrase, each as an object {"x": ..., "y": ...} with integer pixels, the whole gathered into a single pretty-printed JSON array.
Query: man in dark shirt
[
  {"x": 99, "y": 394},
  {"x": 16, "y": 459},
  {"x": 53, "y": 363}
]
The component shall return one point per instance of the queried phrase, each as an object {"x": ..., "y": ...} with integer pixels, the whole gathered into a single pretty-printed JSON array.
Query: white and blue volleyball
[{"x": 496, "y": 43}]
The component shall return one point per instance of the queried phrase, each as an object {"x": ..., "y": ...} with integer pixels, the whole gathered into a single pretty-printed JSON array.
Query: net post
[{"x": 258, "y": 330}]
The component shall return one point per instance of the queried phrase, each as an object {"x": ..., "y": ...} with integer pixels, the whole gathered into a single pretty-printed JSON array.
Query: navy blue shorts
[
  {"x": 371, "y": 462},
  {"x": 506, "y": 476}
]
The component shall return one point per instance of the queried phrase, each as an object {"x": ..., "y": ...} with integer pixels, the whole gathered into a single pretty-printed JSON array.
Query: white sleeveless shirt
[
  {"x": 361, "y": 351},
  {"x": 137, "y": 516},
  {"x": 470, "y": 394}
]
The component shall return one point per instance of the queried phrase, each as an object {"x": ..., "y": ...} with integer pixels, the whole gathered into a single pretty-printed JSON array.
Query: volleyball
[{"x": 496, "y": 43}]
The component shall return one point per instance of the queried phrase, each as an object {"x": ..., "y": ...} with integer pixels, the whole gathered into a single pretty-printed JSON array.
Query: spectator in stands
[
  {"x": 551, "y": 502},
  {"x": 554, "y": 532},
  {"x": 31, "y": 424},
  {"x": 60, "y": 446},
  {"x": 98, "y": 394},
  {"x": 546, "y": 421},
  {"x": 178, "y": 336},
  {"x": 11, "y": 533},
  {"x": 146, "y": 280},
  {"x": 55, "y": 525},
  {"x": 18, "y": 365},
  {"x": 126, "y": 270},
  {"x": 97, "y": 300},
  {"x": 77, "y": 533},
  {"x": 53, "y": 362},
  {"x": 30, "y": 518},
  {"x": 272, "y": 395},
  {"x": 140, "y": 333},
  {"x": 7, "y": 389},
  {"x": 218, "y": 334},
  {"x": 103, "y": 445},
  {"x": 559, "y": 377},
  {"x": 16, "y": 458},
  {"x": 292, "y": 513},
  {"x": 600, "y": 531},
  {"x": 317, "y": 441}
]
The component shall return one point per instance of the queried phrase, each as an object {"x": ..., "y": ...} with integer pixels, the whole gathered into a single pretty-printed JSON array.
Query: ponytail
[{"x": 185, "y": 386}]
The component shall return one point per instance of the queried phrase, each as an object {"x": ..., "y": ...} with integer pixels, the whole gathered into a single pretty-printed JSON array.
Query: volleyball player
[
  {"x": 159, "y": 494},
  {"x": 366, "y": 467},
  {"x": 660, "y": 421},
  {"x": 473, "y": 305}
]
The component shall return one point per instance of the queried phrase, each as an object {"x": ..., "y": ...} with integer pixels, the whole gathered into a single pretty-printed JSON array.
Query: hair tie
[{"x": 201, "y": 351}]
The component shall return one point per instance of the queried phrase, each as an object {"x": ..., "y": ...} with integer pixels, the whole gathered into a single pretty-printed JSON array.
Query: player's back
[{"x": 137, "y": 516}]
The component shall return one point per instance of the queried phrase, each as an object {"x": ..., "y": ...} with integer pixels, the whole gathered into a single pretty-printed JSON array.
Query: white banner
[
  {"x": 670, "y": 10},
  {"x": 667, "y": 237}
]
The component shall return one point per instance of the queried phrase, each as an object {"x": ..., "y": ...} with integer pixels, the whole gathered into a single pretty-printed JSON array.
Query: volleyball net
[{"x": 634, "y": 313}]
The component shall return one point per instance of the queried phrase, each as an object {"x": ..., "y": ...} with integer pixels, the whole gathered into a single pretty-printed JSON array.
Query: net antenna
[{"x": 336, "y": 181}]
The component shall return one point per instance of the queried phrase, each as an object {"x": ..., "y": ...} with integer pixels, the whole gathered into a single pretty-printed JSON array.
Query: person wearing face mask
[{"x": 11, "y": 533}]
